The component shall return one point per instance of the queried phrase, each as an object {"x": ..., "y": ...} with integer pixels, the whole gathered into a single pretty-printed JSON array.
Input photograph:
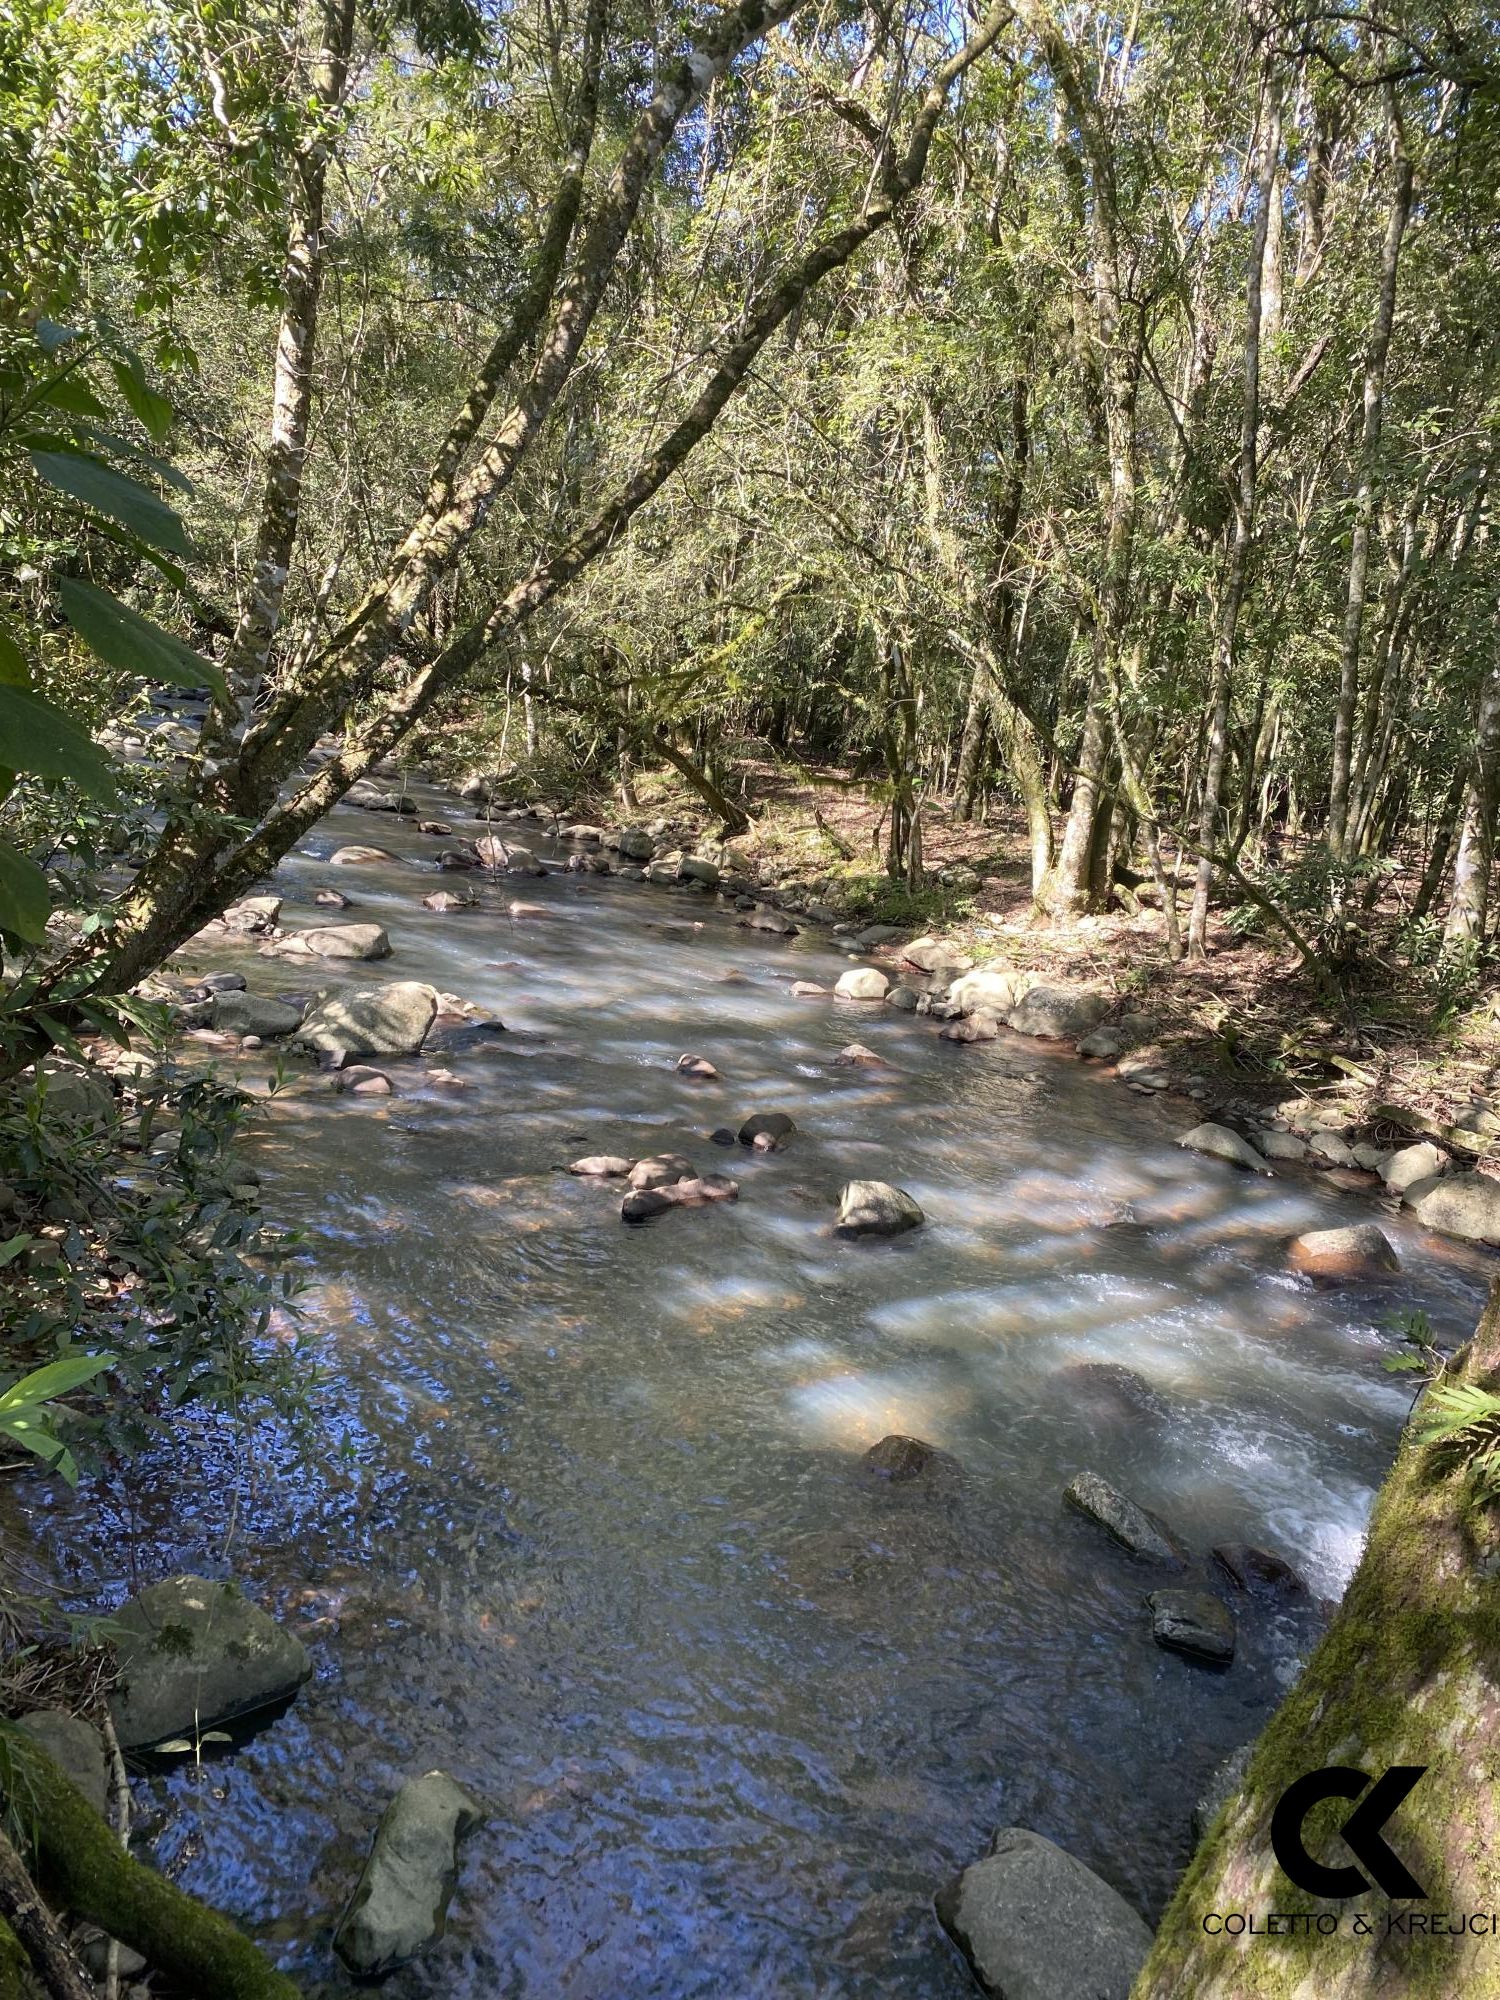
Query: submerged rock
[
  {"x": 357, "y": 856},
  {"x": 194, "y": 1652},
  {"x": 334, "y": 899},
  {"x": 445, "y": 900},
  {"x": 1107, "y": 1392},
  {"x": 808, "y": 989},
  {"x": 876, "y": 1208},
  {"x": 1193, "y": 1623},
  {"x": 1224, "y": 1144},
  {"x": 768, "y": 1131},
  {"x": 696, "y": 1066},
  {"x": 1131, "y": 1525},
  {"x": 1035, "y": 1924},
  {"x": 910, "y": 1462},
  {"x": 371, "y": 1020},
  {"x": 1362, "y": 1251},
  {"x": 660, "y": 1170},
  {"x": 1260, "y": 1573},
  {"x": 854, "y": 1055},
  {"x": 400, "y": 1905}
]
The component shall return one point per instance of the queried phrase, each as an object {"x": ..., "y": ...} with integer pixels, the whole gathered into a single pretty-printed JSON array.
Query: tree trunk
[
  {"x": 1476, "y": 844},
  {"x": 1405, "y": 1675},
  {"x": 1364, "y": 503},
  {"x": 1232, "y": 589},
  {"x": 194, "y": 1948}
]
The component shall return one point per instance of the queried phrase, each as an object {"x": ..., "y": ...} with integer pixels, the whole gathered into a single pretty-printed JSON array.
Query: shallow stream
[{"x": 590, "y": 1531}]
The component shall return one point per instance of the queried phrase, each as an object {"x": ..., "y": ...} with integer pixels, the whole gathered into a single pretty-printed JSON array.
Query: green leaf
[
  {"x": 12, "y": 1248},
  {"x": 73, "y": 394},
  {"x": 36, "y": 736},
  {"x": 124, "y": 500},
  {"x": 14, "y": 671},
  {"x": 57, "y": 1378},
  {"x": 153, "y": 409},
  {"x": 25, "y": 899},
  {"x": 173, "y": 1746},
  {"x": 35, "y": 1437},
  {"x": 1404, "y": 1364},
  {"x": 128, "y": 641}
]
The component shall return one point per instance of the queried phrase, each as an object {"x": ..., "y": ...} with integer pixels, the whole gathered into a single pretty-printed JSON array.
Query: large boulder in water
[
  {"x": 876, "y": 1208},
  {"x": 993, "y": 989},
  {"x": 371, "y": 1020},
  {"x": 1224, "y": 1144},
  {"x": 193, "y": 1652},
  {"x": 1362, "y": 1251},
  {"x": 1194, "y": 1623},
  {"x": 332, "y": 941},
  {"x": 250, "y": 1014},
  {"x": 1057, "y": 1013},
  {"x": 1035, "y": 1924},
  {"x": 1121, "y": 1517},
  {"x": 400, "y": 1904},
  {"x": 862, "y": 982},
  {"x": 1466, "y": 1205},
  {"x": 1403, "y": 1169}
]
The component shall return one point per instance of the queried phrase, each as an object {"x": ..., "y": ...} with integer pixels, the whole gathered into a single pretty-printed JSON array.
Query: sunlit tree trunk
[
  {"x": 1376, "y": 357},
  {"x": 1469, "y": 906},
  {"x": 1232, "y": 586}
]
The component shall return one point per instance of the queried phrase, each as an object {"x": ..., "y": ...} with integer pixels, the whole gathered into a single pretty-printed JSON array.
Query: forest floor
[{"x": 1248, "y": 1023}]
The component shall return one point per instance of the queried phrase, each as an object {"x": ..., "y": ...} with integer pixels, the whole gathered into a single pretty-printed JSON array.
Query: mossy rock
[{"x": 195, "y": 1652}]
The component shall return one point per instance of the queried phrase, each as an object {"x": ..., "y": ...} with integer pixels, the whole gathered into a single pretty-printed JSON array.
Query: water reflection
[{"x": 590, "y": 1534}]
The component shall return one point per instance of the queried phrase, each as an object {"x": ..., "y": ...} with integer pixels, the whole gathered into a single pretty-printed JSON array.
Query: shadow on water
[{"x": 590, "y": 1530}]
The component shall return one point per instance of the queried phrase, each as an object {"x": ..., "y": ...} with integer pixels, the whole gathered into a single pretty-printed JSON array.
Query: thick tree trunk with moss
[
  {"x": 1408, "y": 1673},
  {"x": 83, "y": 1867}
]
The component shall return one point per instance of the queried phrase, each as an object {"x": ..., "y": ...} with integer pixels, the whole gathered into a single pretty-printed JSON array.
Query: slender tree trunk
[
  {"x": 249, "y": 651},
  {"x": 1376, "y": 358},
  {"x": 1469, "y": 907},
  {"x": 1443, "y": 834},
  {"x": 1232, "y": 588}
]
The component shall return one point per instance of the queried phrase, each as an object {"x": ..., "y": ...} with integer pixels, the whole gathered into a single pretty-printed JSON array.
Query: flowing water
[{"x": 589, "y": 1529}]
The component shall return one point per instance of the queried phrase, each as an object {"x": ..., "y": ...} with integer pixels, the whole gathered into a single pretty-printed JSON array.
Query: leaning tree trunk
[{"x": 1407, "y": 1674}]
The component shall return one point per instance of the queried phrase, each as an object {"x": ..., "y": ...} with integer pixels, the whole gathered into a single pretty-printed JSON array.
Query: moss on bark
[
  {"x": 84, "y": 1867},
  {"x": 1408, "y": 1673}
]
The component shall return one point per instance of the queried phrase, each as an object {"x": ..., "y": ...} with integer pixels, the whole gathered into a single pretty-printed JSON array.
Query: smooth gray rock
[
  {"x": 371, "y": 1020},
  {"x": 903, "y": 998},
  {"x": 697, "y": 868},
  {"x": 1224, "y": 1144},
  {"x": 936, "y": 956},
  {"x": 1281, "y": 1145},
  {"x": 1360, "y": 1251},
  {"x": 400, "y": 1904},
  {"x": 1193, "y": 1623},
  {"x": 357, "y": 855},
  {"x": 1057, "y": 1013},
  {"x": 253, "y": 1014},
  {"x": 877, "y": 934},
  {"x": 1411, "y": 1164},
  {"x": 992, "y": 989},
  {"x": 194, "y": 1652},
  {"x": 253, "y": 913},
  {"x": 76, "y": 1096},
  {"x": 1035, "y": 1924},
  {"x": 1332, "y": 1149},
  {"x": 976, "y": 1027},
  {"x": 333, "y": 941},
  {"x": 1102, "y": 1044},
  {"x": 765, "y": 919},
  {"x": 1465, "y": 1204},
  {"x": 636, "y": 844},
  {"x": 1131, "y": 1525},
  {"x": 862, "y": 982},
  {"x": 660, "y": 1170},
  {"x": 76, "y": 1747},
  {"x": 876, "y": 1208},
  {"x": 1261, "y": 1573}
]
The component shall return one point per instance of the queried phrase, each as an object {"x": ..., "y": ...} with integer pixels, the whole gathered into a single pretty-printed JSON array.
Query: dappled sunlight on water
[{"x": 590, "y": 1527}]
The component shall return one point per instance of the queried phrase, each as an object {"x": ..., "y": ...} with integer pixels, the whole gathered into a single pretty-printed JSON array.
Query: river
[{"x": 586, "y": 1524}]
